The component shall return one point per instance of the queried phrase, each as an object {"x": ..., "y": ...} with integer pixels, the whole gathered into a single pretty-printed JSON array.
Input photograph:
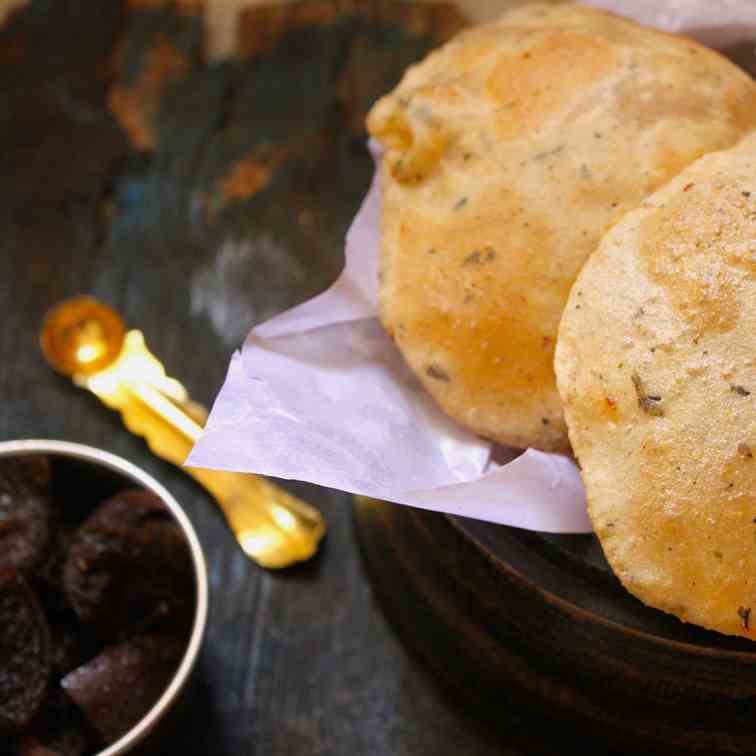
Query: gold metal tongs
[{"x": 87, "y": 341}]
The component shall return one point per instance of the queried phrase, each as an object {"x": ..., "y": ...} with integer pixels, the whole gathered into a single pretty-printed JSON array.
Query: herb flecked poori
[
  {"x": 662, "y": 320},
  {"x": 507, "y": 155}
]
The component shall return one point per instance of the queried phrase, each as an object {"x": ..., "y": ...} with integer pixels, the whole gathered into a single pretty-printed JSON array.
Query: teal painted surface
[{"x": 301, "y": 663}]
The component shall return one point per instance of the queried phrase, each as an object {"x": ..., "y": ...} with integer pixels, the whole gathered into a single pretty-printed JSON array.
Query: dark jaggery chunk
[
  {"x": 126, "y": 563},
  {"x": 24, "y": 652},
  {"x": 58, "y": 729},
  {"x": 118, "y": 687},
  {"x": 70, "y": 644},
  {"x": 48, "y": 576},
  {"x": 34, "y": 469},
  {"x": 69, "y": 743},
  {"x": 25, "y": 512}
]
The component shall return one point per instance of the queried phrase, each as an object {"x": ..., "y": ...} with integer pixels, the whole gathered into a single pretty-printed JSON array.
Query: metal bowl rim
[{"x": 117, "y": 464}]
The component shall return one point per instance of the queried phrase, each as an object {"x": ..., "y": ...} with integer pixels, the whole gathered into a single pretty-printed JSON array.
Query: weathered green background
[{"x": 199, "y": 200}]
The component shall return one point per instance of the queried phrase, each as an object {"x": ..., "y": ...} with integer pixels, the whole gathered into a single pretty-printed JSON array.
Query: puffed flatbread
[
  {"x": 656, "y": 366},
  {"x": 508, "y": 153}
]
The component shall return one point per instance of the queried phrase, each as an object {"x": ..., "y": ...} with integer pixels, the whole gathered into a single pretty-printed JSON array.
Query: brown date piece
[
  {"x": 119, "y": 686},
  {"x": 69, "y": 743},
  {"x": 47, "y": 578},
  {"x": 127, "y": 562},
  {"x": 25, "y": 512},
  {"x": 58, "y": 729},
  {"x": 71, "y": 644},
  {"x": 24, "y": 652}
]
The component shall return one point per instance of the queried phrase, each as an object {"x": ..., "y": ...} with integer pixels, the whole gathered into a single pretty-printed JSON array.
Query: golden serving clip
[{"x": 87, "y": 341}]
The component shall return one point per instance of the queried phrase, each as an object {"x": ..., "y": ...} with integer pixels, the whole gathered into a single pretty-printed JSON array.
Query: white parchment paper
[{"x": 320, "y": 393}]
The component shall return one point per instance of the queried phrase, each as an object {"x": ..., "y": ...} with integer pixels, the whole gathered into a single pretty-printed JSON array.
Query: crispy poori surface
[
  {"x": 508, "y": 153},
  {"x": 656, "y": 365}
]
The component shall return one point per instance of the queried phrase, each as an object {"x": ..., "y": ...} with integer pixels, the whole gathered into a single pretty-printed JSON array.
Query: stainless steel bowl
[{"x": 117, "y": 467}]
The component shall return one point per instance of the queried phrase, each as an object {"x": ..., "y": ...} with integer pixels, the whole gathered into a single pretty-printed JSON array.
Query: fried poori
[
  {"x": 656, "y": 368},
  {"x": 509, "y": 152}
]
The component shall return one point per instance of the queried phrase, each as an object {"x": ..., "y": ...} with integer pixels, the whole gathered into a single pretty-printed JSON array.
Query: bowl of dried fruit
[{"x": 103, "y": 601}]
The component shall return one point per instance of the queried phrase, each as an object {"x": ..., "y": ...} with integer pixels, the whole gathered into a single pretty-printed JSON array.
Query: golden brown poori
[
  {"x": 509, "y": 152},
  {"x": 656, "y": 366}
]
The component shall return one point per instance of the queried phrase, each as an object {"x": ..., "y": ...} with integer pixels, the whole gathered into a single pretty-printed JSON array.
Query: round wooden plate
[{"x": 538, "y": 622}]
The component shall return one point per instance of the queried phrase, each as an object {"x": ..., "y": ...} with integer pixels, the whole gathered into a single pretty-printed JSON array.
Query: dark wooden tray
[{"x": 539, "y": 623}]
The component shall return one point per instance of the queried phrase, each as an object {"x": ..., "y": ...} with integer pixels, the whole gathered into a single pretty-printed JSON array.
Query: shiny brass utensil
[{"x": 88, "y": 342}]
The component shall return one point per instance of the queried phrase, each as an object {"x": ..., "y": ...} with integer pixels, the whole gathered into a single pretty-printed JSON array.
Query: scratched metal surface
[{"x": 198, "y": 200}]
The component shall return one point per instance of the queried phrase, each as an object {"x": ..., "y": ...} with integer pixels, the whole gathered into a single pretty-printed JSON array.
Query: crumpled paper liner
[{"x": 321, "y": 394}]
